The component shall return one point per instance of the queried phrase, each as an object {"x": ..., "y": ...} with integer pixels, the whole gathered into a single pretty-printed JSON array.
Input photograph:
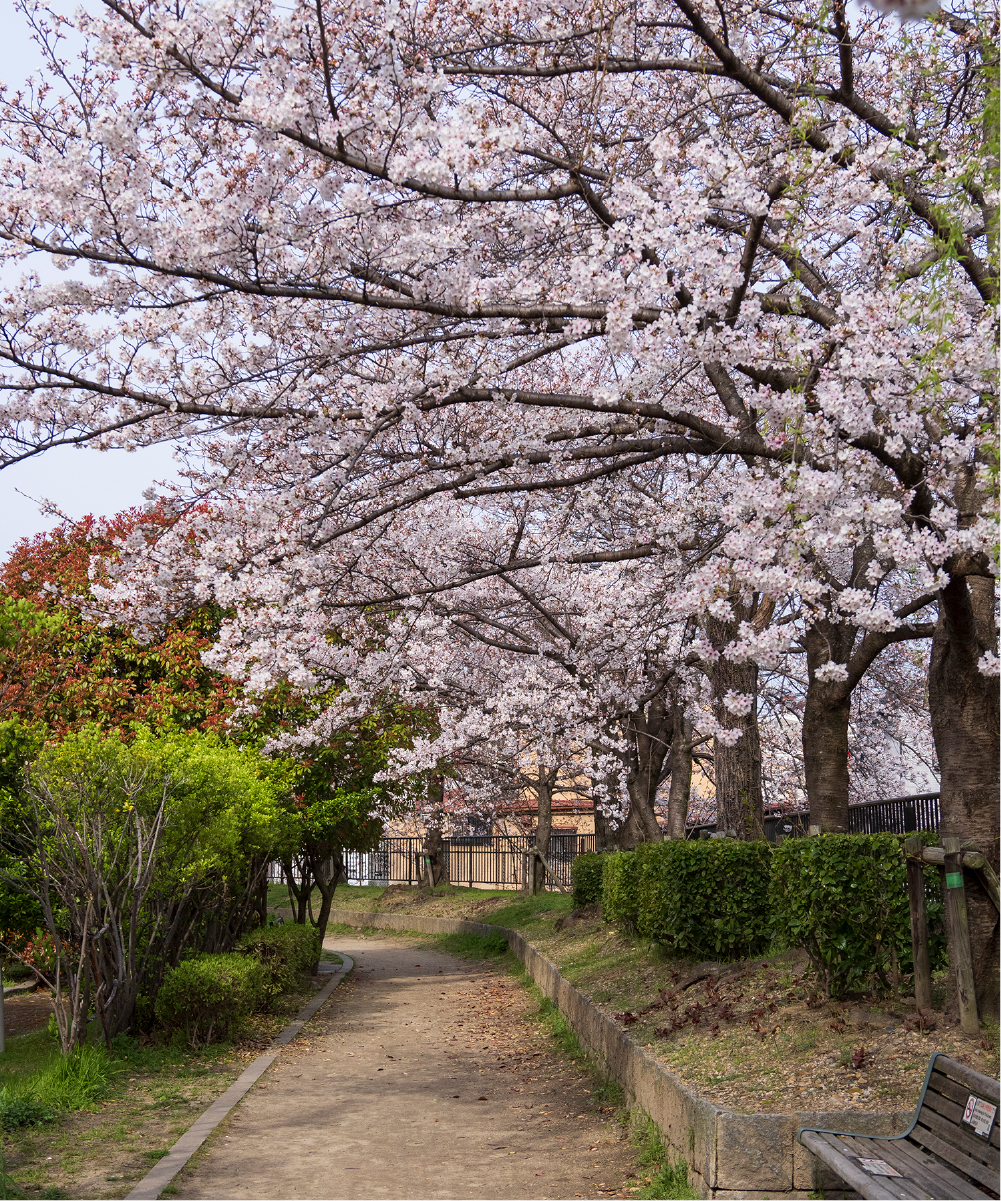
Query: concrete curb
[
  {"x": 728, "y": 1154},
  {"x": 164, "y": 1170}
]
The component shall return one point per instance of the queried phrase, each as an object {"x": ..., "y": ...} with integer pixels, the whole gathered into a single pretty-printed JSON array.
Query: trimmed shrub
[
  {"x": 208, "y": 996},
  {"x": 618, "y": 889},
  {"x": 707, "y": 899},
  {"x": 585, "y": 875},
  {"x": 843, "y": 898},
  {"x": 285, "y": 953}
]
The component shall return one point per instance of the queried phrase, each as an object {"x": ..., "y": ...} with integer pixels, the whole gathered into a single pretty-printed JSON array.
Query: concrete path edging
[
  {"x": 164, "y": 1170},
  {"x": 729, "y": 1155}
]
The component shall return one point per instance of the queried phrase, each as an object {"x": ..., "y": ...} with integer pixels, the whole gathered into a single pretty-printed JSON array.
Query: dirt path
[{"x": 419, "y": 1078}]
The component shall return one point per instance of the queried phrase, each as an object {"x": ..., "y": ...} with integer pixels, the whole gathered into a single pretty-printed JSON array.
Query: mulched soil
[{"x": 759, "y": 1038}]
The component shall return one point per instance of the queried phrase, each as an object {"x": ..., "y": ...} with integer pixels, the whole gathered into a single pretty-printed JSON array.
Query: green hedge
[
  {"x": 585, "y": 875},
  {"x": 208, "y": 996},
  {"x": 286, "y": 953},
  {"x": 618, "y": 889},
  {"x": 843, "y": 897},
  {"x": 707, "y": 899}
]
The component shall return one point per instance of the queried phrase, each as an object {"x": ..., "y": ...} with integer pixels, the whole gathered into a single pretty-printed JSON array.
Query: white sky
[{"x": 76, "y": 481}]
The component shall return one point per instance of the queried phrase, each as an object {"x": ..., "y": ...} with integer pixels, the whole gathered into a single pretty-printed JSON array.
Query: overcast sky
[{"x": 81, "y": 481}]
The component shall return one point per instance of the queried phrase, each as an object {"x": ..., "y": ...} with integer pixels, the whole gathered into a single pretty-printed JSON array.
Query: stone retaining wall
[{"x": 728, "y": 1154}]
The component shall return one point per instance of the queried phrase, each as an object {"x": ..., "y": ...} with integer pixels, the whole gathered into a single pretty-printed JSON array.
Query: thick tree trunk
[
  {"x": 965, "y": 712},
  {"x": 432, "y": 866},
  {"x": 825, "y": 757},
  {"x": 825, "y": 729},
  {"x": 649, "y": 738},
  {"x": 545, "y": 780},
  {"x": 737, "y": 768},
  {"x": 604, "y": 835},
  {"x": 681, "y": 775}
]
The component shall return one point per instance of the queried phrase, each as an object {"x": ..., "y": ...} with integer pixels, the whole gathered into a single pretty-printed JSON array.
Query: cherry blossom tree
[{"x": 363, "y": 257}]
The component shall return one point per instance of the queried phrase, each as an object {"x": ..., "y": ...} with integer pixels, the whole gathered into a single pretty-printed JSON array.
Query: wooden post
[
  {"x": 958, "y": 929},
  {"x": 919, "y": 923}
]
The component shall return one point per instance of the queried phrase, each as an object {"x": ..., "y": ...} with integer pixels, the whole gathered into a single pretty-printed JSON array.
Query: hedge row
[
  {"x": 619, "y": 889},
  {"x": 585, "y": 877},
  {"x": 209, "y": 996},
  {"x": 842, "y": 897}
]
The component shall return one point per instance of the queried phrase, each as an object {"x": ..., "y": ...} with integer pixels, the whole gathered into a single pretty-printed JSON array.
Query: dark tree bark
[
  {"x": 326, "y": 864},
  {"x": 681, "y": 774},
  {"x": 543, "y": 787},
  {"x": 825, "y": 728},
  {"x": 828, "y": 702},
  {"x": 648, "y": 731},
  {"x": 432, "y": 866},
  {"x": 737, "y": 768},
  {"x": 965, "y": 712},
  {"x": 604, "y": 835},
  {"x": 298, "y": 890}
]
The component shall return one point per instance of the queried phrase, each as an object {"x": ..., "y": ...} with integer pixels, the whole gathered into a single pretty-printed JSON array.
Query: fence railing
[
  {"x": 487, "y": 861},
  {"x": 895, "y": 815},
  {"x": 502, "y": 861}
]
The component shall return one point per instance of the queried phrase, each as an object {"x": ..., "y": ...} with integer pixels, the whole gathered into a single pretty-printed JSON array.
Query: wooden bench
[{"x": 950, "y": 1151}]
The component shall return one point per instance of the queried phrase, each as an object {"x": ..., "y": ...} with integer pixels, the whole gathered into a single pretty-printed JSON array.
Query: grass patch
[
  {"x": 668, "y": 1180},
  {"x": 473, "y": 946},
  {"x": 560, "y": 1030},
  {"x": 528, "y": 911},
  {"x": 345, "y": 894}
]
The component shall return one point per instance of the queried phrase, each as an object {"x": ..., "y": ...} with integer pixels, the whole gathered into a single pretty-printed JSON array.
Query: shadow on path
[{"x": 419, "y": 1078}]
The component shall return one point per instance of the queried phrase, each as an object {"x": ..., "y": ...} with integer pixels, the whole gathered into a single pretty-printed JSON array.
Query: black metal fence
[
  {"x": 896, "y": 815},
  {"x": 501, "y": 861},
  {"x": 484, "y": 861}
]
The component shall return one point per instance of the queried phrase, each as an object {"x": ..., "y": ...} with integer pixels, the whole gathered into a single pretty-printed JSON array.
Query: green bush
[
  {"x": 286, "y": 953},
  {"x": 208, "y": 996},
  {"x": 20, "y": 914},
  {"x": 843, "y": 897},
  {"x": 585, "y": 875},
  {"x": 618, "y": 889},
  {"x": 705, "y": 899},
  {"x": 20, "y": 1105}
]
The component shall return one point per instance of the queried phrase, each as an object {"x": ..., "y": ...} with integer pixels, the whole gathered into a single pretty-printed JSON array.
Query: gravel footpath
[{"x": 419, "y": 1078}]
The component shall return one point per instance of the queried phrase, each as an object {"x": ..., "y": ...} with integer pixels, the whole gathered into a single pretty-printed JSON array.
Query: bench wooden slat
[
  {"x": 965, "y": 1143},
  {"x": 927, "y": 1166},
  {"x": 953, "y": 1156},
  {"x": 960, "y": 1093},
  {"x": 952, "y": 1113},
  {"x": 942, "y": 1185},
  {"x": 937, "y": 1158},
  {"x": 826, "y": 1149},
  {"x": 975, "y": 1082}
]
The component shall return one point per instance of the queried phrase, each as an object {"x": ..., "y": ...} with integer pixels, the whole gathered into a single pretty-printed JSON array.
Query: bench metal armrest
[{"x": 885, "y": 1137}]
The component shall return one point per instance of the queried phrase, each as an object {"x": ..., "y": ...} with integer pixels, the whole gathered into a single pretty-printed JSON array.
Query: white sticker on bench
[
  {"x": 878, "y": 1167},
  {"x": 980, "y": 1115}
]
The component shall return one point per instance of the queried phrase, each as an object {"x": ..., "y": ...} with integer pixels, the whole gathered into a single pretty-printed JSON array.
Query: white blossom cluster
[{"x": 546, "y": 364}]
